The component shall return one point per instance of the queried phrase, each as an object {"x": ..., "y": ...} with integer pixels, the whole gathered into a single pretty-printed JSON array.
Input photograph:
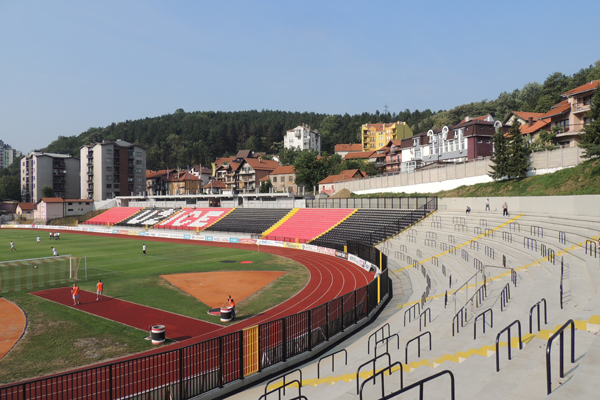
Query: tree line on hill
[{"x": 190, "y": 138}]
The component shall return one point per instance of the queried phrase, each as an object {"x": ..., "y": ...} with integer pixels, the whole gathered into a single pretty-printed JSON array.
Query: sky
[{"x": 67, "y": 66}]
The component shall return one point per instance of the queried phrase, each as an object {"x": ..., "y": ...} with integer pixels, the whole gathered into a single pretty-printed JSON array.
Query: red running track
[
  {"x": 330, "y": 277},
  {"x": 178, "y": 327}
]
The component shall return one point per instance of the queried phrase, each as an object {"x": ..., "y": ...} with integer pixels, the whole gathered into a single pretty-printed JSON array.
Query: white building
[
  {"x": 111, "y": 169},
  {"x": 7, "y": 155},
  {"x": 59, "y": 171},
  {"x": 303, "y": 138}
]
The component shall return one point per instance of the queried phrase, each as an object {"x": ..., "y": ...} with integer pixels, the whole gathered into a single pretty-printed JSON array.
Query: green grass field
[{"x": 59, "y": 337}]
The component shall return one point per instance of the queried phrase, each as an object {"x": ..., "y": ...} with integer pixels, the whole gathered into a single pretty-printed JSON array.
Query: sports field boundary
[{"x": 335, "y": 297}]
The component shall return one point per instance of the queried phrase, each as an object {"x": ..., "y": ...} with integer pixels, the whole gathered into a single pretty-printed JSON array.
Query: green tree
[
  {"x": 590, "y": 139},
  {"x": 10, "y": 188},
  {"x": 47, "y": 191},
  {"x": 518, "y": 160},
  {"x": 309, "y": 171},
  {"x": 288, "y": 156},
  {"x": 265, "y": 186},
  {"x": 499, "y": 165},
  {"x": 544, "y": 141}
]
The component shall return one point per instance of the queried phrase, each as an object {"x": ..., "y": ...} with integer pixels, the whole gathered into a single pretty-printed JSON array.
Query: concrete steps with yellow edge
[
  {"x": 280, "y": 222},
  {"x": 208, "y": 226},
  {"x": 345, "y": 218}
]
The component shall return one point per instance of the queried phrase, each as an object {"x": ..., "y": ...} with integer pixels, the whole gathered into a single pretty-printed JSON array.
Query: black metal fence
[
  {"x": 196, "y": 369},
  {"x": 402, "y": 203}
]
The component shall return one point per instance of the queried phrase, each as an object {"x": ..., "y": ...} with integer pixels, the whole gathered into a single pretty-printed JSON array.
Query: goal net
[{"x": 38, "y": 273}]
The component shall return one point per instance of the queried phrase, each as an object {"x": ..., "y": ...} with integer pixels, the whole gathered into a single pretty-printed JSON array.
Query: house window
[
  {"x": 109, "y": 186},
  {"x": 290, "y": 179},
  {"x": 587, "y": 100},
  {"x": 564, "y": 125},
  {"x": 479, "y": 140},
  {"x": 274, "y": 179},
  {"x": 138, "y": 170},
  {"x": 108, "y": 169},
  {"x": 138, "y": 162},
  {"x": 109, "y": 160},
  {"x": 138, "y": 153},
  {"x": 588, "y": 120}
]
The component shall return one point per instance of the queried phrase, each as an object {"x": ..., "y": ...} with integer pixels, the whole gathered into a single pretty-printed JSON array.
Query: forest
[{"x": 198, "y": 137}]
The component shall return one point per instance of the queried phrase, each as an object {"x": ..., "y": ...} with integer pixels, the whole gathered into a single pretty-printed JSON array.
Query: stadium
[{"x": 404, "y": 298}]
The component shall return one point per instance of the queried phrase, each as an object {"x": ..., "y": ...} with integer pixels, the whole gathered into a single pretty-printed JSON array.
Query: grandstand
[
  {"x": 113, "y": 216},
  {"x": 368, "y": 226},
  {"x": 307, "y": 223},
  {"x": 250, "y": 220},
  {"x": 460, "y": 282},
  {"x": 193, "y": 218}
]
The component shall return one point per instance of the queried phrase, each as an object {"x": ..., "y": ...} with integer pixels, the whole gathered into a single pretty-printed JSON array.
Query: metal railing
[
  {"x": 591, "y": 246},
  {"x": 507, "y": 237},
  {"x": 278, "y": 390},
  {"x": 371, "y": 361},
  {"x": 504, "y": 297},
  {"x": 537, "y": 306},
  {"x": 418, "y": 339},
  {"x": 560, "y": 333},
  {"x": 420, "y": 384},
  {"x": 385, "y": 371},
  {"x": 195, "y": 369},
  {"x": 513, "y": 226},
  {"x": 415, "y": 308},
  {"x": 423, "y": 316},
  {"x": 530, "y": 244},
  {"x": 508, "y": 342},
  {"x": 375, "y": 334},
  {"x": 332, "y": 355},
  {"x": 562, "y": 237},
  {"x": 482, "y": 314},
  {"x": 451, "y": 239},
  {"x": 387, "y": 342},
  {"x": 536, "y": 231},
  {"x": 284, "y": 383}
]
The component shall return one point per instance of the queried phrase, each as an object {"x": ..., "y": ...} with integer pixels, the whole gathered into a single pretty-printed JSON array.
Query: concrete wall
[
  {"x": 447, "y": 177},
  {"x": 586, "y": 205}
]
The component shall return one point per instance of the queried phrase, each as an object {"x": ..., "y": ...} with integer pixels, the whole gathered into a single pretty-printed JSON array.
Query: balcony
[
  {"x": 90, "y": 155},
  {"x": 577, "y": 108}
]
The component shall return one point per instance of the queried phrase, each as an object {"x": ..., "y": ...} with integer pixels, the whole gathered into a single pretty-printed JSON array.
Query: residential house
[
  {"x": 214, "y": 187},
  {"x": 393, "y": 158},
  {"x": 59, "y": 171},
  {"x": 49, "y": 208},
  {"x": 375, "y": 136},
  {"x": 110, "y": 169},
  {"x": 302, "y": 138},
  {"x": 470, "y": 139},
  {"x": 226, "y": 171},
  {"x": 579, "y": 101},
  {"x": 25, "y": 210},
  {"x": 531, "y": 123},
  {"x": 252, "y": 170},
  {"x": 201, "y": 172},
  {"x": 157, "y": 181},
  {"x": 283, "y": 179},
  {"x": 343, "y": 149},
  {"x": 327, "y": 185},
  {"x": 370, "y": 156},
  {"x": 184, "y": 183}
]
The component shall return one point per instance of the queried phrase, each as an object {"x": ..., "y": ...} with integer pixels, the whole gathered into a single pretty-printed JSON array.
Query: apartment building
[
  {"x": 7, "y": 155},
  {"x": 303, "y": 138},
  {"x": 283, "y": 179},
  {"x": 59, "y": 171},
  {"x": 375, "y": 136},
  {"x": 110, "y": 169}
]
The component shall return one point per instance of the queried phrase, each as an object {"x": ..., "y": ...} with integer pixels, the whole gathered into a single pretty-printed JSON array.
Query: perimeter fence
[{"x": 202, "y": 367}]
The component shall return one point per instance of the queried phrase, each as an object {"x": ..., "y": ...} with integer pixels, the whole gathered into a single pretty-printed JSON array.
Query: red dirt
[
  {"x": 13, "y": 325},
  {"x": 212, "y": 288}
]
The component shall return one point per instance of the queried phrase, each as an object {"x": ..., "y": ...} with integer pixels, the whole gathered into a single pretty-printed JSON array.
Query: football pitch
[{"x": 59, "y": 337}]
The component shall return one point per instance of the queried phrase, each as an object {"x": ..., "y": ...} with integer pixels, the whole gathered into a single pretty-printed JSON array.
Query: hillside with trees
[{"x": 186, "y": 138}]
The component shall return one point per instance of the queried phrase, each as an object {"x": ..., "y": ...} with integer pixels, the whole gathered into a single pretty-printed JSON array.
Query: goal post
[{"x": 34, "y": 273}]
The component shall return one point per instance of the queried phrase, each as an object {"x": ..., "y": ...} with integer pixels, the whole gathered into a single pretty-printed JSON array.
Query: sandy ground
[
  {"x": 13, "y": 322},
  {"x": 212, "y": 288}
]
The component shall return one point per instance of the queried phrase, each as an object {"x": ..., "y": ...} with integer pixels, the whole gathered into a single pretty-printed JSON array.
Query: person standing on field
[
  {"x": 38, "y": 240},
  {"x": 487, "y": 205},
  {"x": 232, "y": 306},
  {"x": 99, "y": 288},
  {"x": 144, "y": 248},
  {"x": 505, "y": 209},
  {"x": 12, "y": 246},
  {"x": 75, "y": 293}
]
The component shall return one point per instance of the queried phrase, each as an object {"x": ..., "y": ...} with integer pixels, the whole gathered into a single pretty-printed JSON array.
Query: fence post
[
  {"x": 283, "y": 340},
  {"x": 327, "y": 319},
  {"x": 342, "y": 303},
  {"x": 220, "y": 361},
  {"x": 241, "y": 354},
  {"x": 355, "y": 309},
  {"x": 309, "y": 330},
  {"x": 181, "y": 396}
]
